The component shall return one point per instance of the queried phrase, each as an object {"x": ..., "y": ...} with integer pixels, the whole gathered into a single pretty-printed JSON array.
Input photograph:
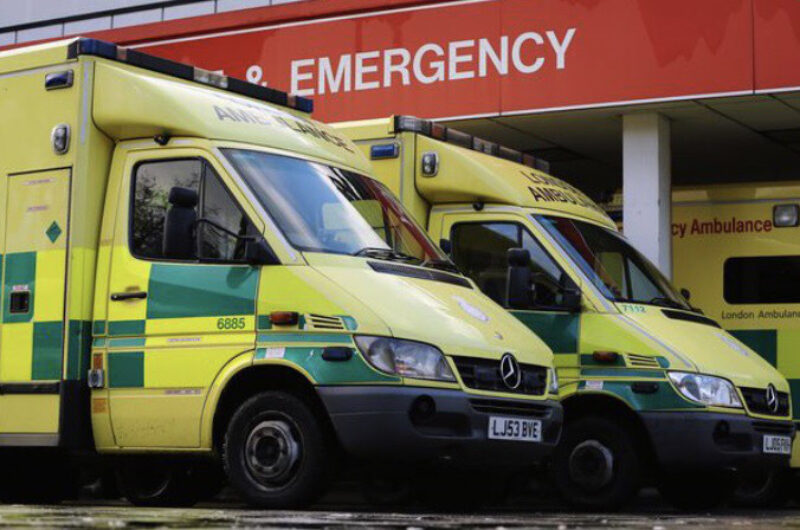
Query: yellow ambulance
[
  {"x": 747, "y": 236},
  {"x": 195, "y": 272},
  {"x": 653, "y": 392}
]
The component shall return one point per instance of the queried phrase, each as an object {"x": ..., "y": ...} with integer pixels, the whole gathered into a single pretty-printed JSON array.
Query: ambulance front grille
[
  {"x": 484, "y": 374},
  {"x": 642, "y": 361},
  {"x": 756, "y": 400},
  {"x": 325, "y": 322}
]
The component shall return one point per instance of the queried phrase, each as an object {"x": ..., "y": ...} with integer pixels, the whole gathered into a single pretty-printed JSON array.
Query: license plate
[
  {"x": 505, "y": 428},
  {"x": 777, "y": 445}
]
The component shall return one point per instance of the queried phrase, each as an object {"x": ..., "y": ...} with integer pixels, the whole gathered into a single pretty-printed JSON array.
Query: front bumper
[
  {"x": 712, "y": 440},
  {"x": 383, "y": 423}
]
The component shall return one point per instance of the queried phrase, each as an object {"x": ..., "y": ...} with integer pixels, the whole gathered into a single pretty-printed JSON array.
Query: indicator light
[
  {"x": 284, "y": 318},
  {"x": 605, "y": 356}
]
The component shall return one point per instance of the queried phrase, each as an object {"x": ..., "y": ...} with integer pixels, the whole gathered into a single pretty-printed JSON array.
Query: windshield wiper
[
  {"x": 440, "y": 264},
  {"x": 665, "y": 302},
  {"x": 384, "y": 253}
]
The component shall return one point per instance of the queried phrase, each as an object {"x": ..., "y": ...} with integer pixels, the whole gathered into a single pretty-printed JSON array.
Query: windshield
[
  {"x": 325, "y": 209},
  {"x": 612, "y": 264}
]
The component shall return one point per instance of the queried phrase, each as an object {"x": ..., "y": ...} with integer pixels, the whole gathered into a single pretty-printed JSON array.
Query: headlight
[
  {"x": 706, "y": 389},
  {"x": 553, "y": 380},
  {"x": 405, "y": 358}
]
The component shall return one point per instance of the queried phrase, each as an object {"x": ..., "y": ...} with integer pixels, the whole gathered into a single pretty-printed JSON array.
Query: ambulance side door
[{"x": 181, "y": 298}]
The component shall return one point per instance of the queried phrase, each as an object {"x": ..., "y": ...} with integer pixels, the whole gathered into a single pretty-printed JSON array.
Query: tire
[
  {"x": 166, "y": 483},
  {"x": 763, "y": 488},
  {"x": 598, "y": 464},
  {"x": 699, "y": 490},
  {"x": 276, "y": 454}
]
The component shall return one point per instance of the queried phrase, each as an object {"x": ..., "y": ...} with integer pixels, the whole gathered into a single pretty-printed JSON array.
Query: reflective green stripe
[
  {"x": 560, "y": 331},
  {"x": 621, "y": 372},
  {"x": 126, "y": 369},
  {"x": 48, "y": 345},
  {"x": 349, "y": 322},
  {"x": 126, "y": 327},
  {"x": 131, "y": 342},
  {"x": 99, "y": 342},
  {"x": 78, "y": 349},
  {"x": 99, "y": 327},
  {"x": 794, "y": 386},
  {"x": 762, "y": 341},
  {"x": 21, "y": 272},
  {"x": 306, "y": 337},
  {"x": 264, "y": 322},
  {"x": 665, "y": 398},
  {"x": 177, "y": 291},
  {"x": 354, "y": 370}
]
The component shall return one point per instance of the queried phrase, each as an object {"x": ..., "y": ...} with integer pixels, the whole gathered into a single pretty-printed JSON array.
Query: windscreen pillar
[{"x": 646, "y": 186}]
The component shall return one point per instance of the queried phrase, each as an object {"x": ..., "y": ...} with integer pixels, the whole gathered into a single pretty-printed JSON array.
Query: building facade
[{"x": 631, "y": 95}]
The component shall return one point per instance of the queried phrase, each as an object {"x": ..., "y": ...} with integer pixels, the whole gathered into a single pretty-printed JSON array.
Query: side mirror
[
  {"x": 179, "y": 224},
  {"x": 571, "y": 296},
  {"x": 686, "y": 294},
  {"x": 257, "y": 252},
  {"x": 446, "y": 246},
  {"x": 520, "y": 287}
]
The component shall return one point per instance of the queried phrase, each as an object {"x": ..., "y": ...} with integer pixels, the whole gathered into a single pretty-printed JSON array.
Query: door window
[
  {"x": 480, "y": 250},
  {"x": 212, "y": 218}
]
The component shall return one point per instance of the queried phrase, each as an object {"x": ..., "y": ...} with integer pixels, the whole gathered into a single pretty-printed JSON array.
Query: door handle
[{"x": 128, "y": 295}]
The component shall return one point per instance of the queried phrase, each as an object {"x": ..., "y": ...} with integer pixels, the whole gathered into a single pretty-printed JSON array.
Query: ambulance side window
[
  {"x": 218, "y": 218},
  {"x": 480, "y": 250}
]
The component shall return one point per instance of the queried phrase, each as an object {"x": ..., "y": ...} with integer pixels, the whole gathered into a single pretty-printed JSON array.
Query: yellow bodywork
[
  {"x": 167, "y": 358},
  {"x": 713, "y": 224},
  {"x": 472, "y": 187}
]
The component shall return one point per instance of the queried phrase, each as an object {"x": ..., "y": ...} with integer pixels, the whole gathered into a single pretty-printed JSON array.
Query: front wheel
[
  {"x": 597, "y": 464},
  {"x": 276, "y": 454},
  {"x": 763, "y": 488}
]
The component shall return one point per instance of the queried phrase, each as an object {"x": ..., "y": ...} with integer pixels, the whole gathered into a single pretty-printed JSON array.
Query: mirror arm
[{"x": 225, "y": 230}]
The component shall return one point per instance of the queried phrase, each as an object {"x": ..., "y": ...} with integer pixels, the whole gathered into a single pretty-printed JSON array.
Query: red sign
[{"x": 495, "y": 57}]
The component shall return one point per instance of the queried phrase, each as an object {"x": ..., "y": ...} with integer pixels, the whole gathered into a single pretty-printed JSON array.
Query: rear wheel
[
  {"x": 697, "y": 490},
  {"x": 276, "y": 454},
  {"x": 597, "y": 465},
  {"x": 763, "y": 488},
  {"x": 167, "y": 483}
]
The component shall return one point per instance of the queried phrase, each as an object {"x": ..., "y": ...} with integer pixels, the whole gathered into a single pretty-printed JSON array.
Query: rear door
[{"x": 34, "y": 278}]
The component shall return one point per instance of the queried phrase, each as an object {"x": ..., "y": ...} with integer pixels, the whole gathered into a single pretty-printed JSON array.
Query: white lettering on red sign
[{"x": 431, "y": 63}]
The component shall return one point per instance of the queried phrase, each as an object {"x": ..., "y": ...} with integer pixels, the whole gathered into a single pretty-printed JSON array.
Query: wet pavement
[{"x": 124, "y": 516}]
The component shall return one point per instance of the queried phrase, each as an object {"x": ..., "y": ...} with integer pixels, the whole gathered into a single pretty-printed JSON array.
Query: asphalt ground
[{"x": 119, "y": 515}]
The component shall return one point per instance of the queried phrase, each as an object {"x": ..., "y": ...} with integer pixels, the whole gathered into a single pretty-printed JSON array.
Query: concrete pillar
[{"x": 646, "y": 186}]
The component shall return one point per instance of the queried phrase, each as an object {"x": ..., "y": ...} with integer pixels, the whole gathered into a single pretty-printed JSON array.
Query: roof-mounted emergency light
[
  {"x": 107, "y": 50},
  {"x": 468, "y": 141}
]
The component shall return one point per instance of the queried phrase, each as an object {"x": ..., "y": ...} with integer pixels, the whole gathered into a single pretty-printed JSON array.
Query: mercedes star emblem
[{"x": 510, "y": 372}]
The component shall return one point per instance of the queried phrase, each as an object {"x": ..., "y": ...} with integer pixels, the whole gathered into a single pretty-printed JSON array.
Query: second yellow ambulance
[{"x": 652, "y": 390}]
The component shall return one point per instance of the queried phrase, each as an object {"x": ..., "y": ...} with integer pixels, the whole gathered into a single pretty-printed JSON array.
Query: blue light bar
[
  {"x": 108, "y": 50},
  {"x": 379, "y": 151}
]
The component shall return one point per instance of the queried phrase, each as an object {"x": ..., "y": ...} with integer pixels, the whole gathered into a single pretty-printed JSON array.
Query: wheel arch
[
  {"x": 612, "y": 407},
  {"x": 247, "y": 380}
]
